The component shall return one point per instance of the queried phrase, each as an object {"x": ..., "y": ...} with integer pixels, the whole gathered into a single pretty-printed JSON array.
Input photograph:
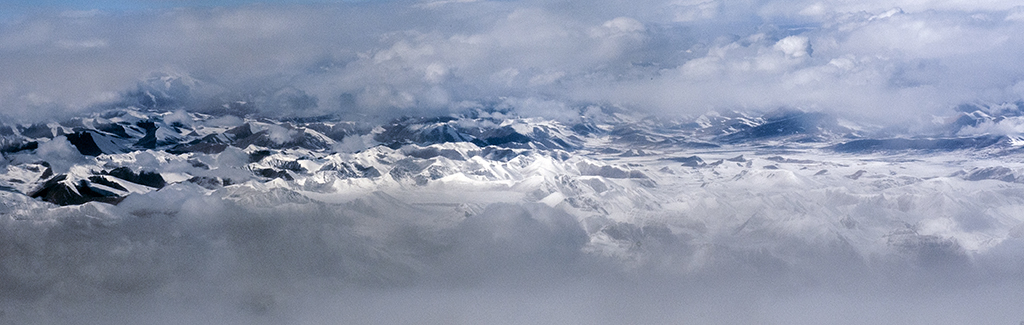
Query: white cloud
[
  {"x": 1015, "y": 14},
  {"x": 672, "y": 57},
  {"x": 816, "y": 9},
  {"x": 258, "y": 254},
  {"x": 694, "y": 10},
  {"x": 794, "y": 46},
  {"x": 82, "y": 44},
  {"x": 60, "y": 153},
  {"x": 276, "y": 133}
]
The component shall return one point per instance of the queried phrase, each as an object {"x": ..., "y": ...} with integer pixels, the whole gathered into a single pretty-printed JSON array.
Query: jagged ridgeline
[
  {"x": 268, "y": 149},
  {"x": 135, "y": 150}
]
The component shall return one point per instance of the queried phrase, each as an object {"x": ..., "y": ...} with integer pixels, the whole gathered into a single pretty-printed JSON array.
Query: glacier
[{"x": 135, "y": 215}]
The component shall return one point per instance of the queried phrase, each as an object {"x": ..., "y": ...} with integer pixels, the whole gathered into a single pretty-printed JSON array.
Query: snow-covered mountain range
[
  {"x": 608, "y": 164},
  {"x": 132, "y": 150},
  {"x": 703, "y": 195}
]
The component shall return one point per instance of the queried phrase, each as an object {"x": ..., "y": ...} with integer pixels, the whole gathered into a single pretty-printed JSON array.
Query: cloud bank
[
  {"x": 247, "y": 255},
  {"x": 258, "y": 254},
  {"x": 864, "y": 60}
]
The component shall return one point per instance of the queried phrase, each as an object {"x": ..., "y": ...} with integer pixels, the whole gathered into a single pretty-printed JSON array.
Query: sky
[
  {"x": 876, "y": 61},
  {"x": 286, "y": 259},
  {"x": 23, "y": 6}
]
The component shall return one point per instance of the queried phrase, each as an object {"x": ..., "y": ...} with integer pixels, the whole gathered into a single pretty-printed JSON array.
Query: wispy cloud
[{"x": 860, "y": 59}]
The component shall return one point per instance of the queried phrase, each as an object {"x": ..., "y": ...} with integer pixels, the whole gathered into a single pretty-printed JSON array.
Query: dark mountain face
[
  {"x": 146, "y": 178},
  {"x": 58, "y": 191},
  {"x": 147, "y": 141},
  {"x": 426, "y": 131},
  {"x": 15, "y": 145},
  {"x": 104, "y": 186},
  {"x": 84, "y": 142},
  {"x": 801, "y": 126},
  {"x": 946, "y": 144}
]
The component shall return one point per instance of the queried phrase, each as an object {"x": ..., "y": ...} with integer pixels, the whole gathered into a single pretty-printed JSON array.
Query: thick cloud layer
[
  {"x": 246, "y": 255},
  {"x": 859, "y": 59}
]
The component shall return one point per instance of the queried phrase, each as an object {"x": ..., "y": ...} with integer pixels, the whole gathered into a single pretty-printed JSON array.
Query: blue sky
[
  {"x": 15, "y": 8},
  {"x": 19, "y": 5}
]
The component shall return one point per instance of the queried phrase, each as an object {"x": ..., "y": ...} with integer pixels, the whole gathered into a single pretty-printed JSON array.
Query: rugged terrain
[{"x": 140, "y": 200}]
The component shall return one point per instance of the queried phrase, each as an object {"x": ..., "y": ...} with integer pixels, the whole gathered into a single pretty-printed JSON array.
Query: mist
[{"x": 243, "y": 255}]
